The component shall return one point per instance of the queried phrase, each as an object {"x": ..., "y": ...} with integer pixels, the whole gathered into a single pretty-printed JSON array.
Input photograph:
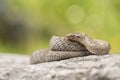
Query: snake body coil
[
  {"x": 63, "y": 44},
  {"x": 46, "y": 55},
  {"x": 73, "y": 45},
  {"x": 93, "y": 45}
]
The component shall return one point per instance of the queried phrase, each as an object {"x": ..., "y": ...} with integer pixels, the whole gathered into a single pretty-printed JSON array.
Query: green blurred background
[{"x": 27, "y": 25}]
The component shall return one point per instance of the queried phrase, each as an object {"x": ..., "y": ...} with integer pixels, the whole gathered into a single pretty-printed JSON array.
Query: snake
[
  {"x": 95, "y": 46},
  {"x": 72, "y": 45}
]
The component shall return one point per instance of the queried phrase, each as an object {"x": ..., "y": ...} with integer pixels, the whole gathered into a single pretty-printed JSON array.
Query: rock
[{"x": 93, "y": 67}]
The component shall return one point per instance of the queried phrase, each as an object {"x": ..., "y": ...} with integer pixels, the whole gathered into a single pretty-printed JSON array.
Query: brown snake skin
[
  {"x": 93, "y": 45},
  {"x": 73, "y": 45}
]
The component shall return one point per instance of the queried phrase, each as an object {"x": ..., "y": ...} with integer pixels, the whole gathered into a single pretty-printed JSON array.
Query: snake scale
[{"x": 72, "y": 45}]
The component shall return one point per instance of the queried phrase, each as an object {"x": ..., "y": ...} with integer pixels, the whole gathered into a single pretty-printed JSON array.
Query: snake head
[{"x": 76, "y": 36}]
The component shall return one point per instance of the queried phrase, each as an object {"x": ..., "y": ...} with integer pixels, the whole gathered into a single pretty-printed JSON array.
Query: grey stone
[{"x": 93, "y": 67}]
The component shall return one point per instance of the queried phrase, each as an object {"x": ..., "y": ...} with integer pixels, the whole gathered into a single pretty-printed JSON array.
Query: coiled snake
[{"x": 73, "y": 45}]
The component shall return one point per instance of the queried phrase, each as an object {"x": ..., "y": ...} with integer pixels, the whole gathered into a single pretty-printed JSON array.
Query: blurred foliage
[{"x": 27, "y": 25}]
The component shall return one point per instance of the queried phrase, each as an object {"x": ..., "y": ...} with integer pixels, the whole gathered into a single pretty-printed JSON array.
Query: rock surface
[{"x": 17, "y": 67}]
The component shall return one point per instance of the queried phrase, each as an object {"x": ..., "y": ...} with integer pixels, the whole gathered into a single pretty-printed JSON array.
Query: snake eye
[{"x": 78, "y": 36}]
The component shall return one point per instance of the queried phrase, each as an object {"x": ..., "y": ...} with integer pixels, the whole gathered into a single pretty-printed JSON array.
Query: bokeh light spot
[{"x": 75, "y": 14}]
